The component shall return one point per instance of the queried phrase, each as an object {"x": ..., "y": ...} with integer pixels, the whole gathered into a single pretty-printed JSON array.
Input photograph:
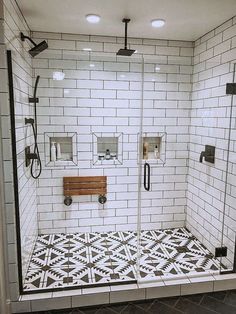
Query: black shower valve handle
[
  {"x": 32, "y": 156},
  {"x": 208, "y": 154}
]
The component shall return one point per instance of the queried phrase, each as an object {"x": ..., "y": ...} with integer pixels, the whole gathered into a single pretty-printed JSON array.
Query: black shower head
[
  {"x": 124, "y": 51},
  {"x": 37, "y": 47}
]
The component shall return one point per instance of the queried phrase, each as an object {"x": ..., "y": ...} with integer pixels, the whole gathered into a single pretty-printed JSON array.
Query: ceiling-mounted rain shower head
[
  {"x": 125, "y": 51},
  {"x": 37, "y": 47}
]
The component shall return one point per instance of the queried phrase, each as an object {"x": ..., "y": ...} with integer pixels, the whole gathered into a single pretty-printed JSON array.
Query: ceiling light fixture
[
  {"x": 87, "y": 49},
  {"x": 158, "y": 23},
  {"x": 93, "y": 18}
]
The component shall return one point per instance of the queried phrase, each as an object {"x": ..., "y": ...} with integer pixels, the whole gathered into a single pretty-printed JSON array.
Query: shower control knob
[{"x": 102, "y": 199}]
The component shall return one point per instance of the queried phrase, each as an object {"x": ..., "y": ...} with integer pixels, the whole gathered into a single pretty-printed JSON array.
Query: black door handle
[{"x": 147, "y": 172}]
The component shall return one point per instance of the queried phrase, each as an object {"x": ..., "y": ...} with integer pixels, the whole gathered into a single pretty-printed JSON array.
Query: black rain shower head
[
  {"x": 125, "y": 51},
  {"x": 37, "y": 47}
]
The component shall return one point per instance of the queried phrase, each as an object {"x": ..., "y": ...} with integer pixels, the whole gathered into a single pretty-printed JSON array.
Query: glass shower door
[{"x": 169, "y": 245}]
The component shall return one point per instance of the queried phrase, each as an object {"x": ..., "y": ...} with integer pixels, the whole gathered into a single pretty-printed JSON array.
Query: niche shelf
[
  {"x": 154, "y": 147},
  {"x": 107, "y": 148},
  {"x": 68, "y": 144}
]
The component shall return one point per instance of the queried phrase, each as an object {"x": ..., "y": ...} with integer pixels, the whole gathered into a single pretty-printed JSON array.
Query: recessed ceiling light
[
  {"x": 157, "y": 68},
  {"x": 122, "y": 75},
  {"x": 158, "y": 23},
  {"x": 92, "y": 65},
  {"x": 93, "y": 18},
  {"x": 87, "y": 49}
]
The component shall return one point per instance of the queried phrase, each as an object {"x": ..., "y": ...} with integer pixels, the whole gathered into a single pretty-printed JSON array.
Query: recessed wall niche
[
  {"x": 65, "y": 147},
  {"x": 154, "y": 147},
  {"x": 107, "y": 148}
]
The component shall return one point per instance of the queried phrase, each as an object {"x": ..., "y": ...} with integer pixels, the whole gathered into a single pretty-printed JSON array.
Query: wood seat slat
[{"x": 85, "y": 185}]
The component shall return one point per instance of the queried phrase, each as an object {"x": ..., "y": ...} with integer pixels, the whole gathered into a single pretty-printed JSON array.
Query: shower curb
[{"x": 185, "y": 285}]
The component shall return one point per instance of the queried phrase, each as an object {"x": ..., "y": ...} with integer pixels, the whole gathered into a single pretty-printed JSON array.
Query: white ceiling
[{"x": 185, "y": 19}]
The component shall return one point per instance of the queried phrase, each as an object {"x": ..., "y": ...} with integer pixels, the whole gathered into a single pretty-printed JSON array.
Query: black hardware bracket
[
  {"x": 231, "y": 89},
  {"x": 102, "y": 199},
  {"x": 29, "y": 156},
  {"x": 221, "y": 251},
  {"x": 33, "y": 100},
  {"x": 68, "y": 200},
  {"x": 29, "y": 121}
]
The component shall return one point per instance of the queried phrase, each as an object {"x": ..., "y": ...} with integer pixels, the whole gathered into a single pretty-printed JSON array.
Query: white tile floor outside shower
[{"x": 83, "y": 259}]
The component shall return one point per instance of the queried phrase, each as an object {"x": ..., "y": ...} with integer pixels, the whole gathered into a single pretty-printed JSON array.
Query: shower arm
[
  {"x": 126, "y": 21},
  {"x": 23, "y": 37}
]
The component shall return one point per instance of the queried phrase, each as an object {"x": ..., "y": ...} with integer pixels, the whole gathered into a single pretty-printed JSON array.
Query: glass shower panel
[
  {"x": 110, "y": 124},
  {"x": 89, "y": 115},
  {"x": 96, "y": 127},
  {"x": 228, "y": 262}
]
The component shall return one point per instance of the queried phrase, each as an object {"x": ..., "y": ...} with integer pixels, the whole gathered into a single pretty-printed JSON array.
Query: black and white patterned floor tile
[{"x": 63, "y": 260}]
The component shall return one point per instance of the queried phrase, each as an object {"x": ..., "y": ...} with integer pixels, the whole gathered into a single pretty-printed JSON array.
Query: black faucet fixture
[{"x": 208, "y": 154}]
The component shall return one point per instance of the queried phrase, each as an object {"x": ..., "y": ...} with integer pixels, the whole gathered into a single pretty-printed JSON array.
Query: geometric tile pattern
[{"x": 80, "y": 259}]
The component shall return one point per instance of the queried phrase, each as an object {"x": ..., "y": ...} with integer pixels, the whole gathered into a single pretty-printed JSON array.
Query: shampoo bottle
[
  {"x": 53, "y": 152},
  {"x": 145, "y": 150},
  {"x": 156, "y": 152},
  {"x": 58, "y": 151},
  {"x": 108, "y": 154}
]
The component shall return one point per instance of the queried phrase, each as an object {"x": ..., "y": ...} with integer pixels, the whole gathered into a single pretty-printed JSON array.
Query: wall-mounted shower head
[
  {"x": 125, "y": 51},
  {"x": 37, "y": 47}
]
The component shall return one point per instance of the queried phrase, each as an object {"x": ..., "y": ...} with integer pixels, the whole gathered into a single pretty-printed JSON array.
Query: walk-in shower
[{"x": 118, "y": 127}]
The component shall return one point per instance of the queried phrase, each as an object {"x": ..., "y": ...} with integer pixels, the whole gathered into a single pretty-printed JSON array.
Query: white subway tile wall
[
  {"x": 206, "y": 215},
  {"x": 103, "y": 94}
]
